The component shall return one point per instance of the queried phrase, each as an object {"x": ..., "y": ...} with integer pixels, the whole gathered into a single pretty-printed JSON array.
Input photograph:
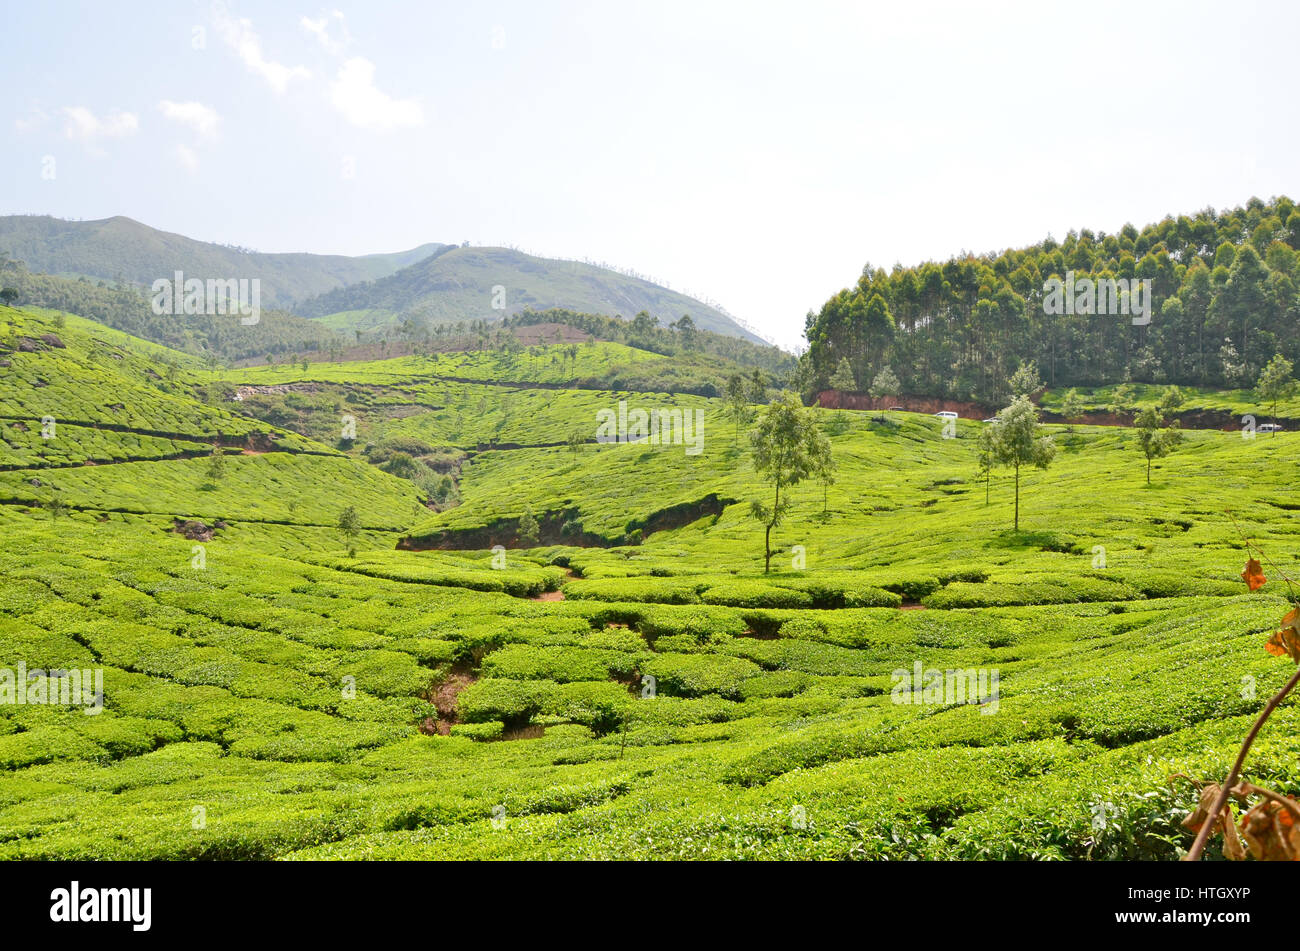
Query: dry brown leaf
[
  {"x": 1254, "y": 575},
  {"x": 1233, "y": 850},
  {"x": 1232, "y": 847},
  {"x": 1195, "y": 820},
  {"x": 1271, "y": 832},
  {"x": 1286, "y": 642}
]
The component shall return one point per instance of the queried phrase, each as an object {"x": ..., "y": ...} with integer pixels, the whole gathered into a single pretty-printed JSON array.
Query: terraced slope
[
  {"x": 591, "y": 365},
  {"x": 105, "y": 423}
]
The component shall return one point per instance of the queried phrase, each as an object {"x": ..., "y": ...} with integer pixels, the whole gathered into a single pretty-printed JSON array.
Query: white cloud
[
  {"x": 321, "y": 30},
  {"x": 202, "y": 119},
  {"x": 84, "y": 126},
  {"x": 354, "y": 94},
  {"x": 239, "y": 36},
  {"x": 35, "y": 120},
  {"x": 185, "y": 155}
]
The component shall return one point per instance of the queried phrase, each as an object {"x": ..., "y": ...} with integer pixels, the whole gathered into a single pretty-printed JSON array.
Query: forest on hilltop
[{"x": 1225, "y": 301}]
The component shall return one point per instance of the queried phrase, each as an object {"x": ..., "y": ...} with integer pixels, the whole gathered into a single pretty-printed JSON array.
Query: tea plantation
[{"x": 530, "y": 644}]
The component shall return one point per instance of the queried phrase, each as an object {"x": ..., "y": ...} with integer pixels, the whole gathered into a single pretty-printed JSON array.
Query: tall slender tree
[
  {"x": 788, "y": 448},
  {"x": 1017, "y": 442},
  {"x": 1154, "y": 438},
  {"x": 1276, "y": 383}
]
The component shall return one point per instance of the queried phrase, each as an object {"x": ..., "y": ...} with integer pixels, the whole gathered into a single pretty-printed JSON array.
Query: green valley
[{"x": 524, "y": 642}]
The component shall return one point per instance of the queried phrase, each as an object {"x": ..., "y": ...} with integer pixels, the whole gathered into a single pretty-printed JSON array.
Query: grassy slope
[
  {"x": 906, "y": 496},
  {"x": 120, "y": 423},
  {"x": 349, "y": 321},
  {"x": 102, "y": 377},
  {"x": 226, "y": 687},
  {"x": 536, "y": 365}
]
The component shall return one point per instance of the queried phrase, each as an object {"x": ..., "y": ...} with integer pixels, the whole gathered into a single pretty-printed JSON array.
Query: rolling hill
[
  {"x": 435, "y": 283},
  {"x": 460, "y": 284},
  {"x": 120, "y": 248}
]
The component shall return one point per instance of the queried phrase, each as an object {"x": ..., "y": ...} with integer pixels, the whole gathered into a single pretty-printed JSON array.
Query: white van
[{"x": 946, "y": 415}]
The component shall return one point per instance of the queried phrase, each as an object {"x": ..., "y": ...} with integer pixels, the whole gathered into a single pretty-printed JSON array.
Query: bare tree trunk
[
  {"x": 1017, "y": 496},
  {"x": 767, "y": 537}
]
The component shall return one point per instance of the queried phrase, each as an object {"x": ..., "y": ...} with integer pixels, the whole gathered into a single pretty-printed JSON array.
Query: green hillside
[
  {"x": 127, "y": 308},
  {"x": 1223, "y": 299},
  {"x": 122, "y": 250},
  {"x": 627, "y": 684},
  {"x": 435, "y": 284},
  {"x": 460, "y": 285}
]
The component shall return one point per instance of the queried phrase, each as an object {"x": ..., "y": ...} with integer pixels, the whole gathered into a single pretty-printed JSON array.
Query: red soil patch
[
  {"x": 196, "y": 531},
  {"x": 443, "y": 697},
  {"x": 1188, "y": 419},
  {"x": 431, "y": 727},
  {"x": 549, "y": 596},
  {"x": 836, "y": 399}
]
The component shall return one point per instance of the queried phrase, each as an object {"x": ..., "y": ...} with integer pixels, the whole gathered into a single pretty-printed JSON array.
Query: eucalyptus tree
[
  {"x": 1017, "y": 442},
  {"x": 788, "y": 448}
]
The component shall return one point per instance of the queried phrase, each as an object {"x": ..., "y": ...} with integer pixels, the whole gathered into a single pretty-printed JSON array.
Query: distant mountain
[
  {"x": 122, "y": 249},
  {"x": 435, "y": 283},
  {"x": 462, "y": 284}
]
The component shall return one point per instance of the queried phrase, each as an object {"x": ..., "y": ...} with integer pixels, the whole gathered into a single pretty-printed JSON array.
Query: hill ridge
[{"x": 359, "y": 292}]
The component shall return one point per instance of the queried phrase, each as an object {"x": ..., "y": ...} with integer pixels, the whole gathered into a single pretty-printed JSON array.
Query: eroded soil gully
[{"x": 505, "y": 532}]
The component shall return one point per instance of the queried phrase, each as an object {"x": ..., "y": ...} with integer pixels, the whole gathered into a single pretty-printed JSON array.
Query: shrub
[
  {"x": 692, "y": 675},
  {"x": 807, "y": 656},
  {"x": 560, "y": 664},
  {"x": 483, "y": 730},
  {"x": 803, "y": 627},
  {"x": 872, "y": 598},
  {"x": 656, "y": 590},
  {"x": 1158, "y": 584},
  {"x": 756, "y": 594},
  {"x": 600, "y": 706},
  {"x": 1055, "y": 590},
  {"x": 784, "y": 683},
  {"x": 704, "y": 624},
  {"x": 512, "y": 701},
  {"x": 913, "y": 587}
]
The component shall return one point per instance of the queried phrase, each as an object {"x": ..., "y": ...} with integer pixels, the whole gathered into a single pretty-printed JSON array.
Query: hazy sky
[{"x": 758, "y": 154}]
